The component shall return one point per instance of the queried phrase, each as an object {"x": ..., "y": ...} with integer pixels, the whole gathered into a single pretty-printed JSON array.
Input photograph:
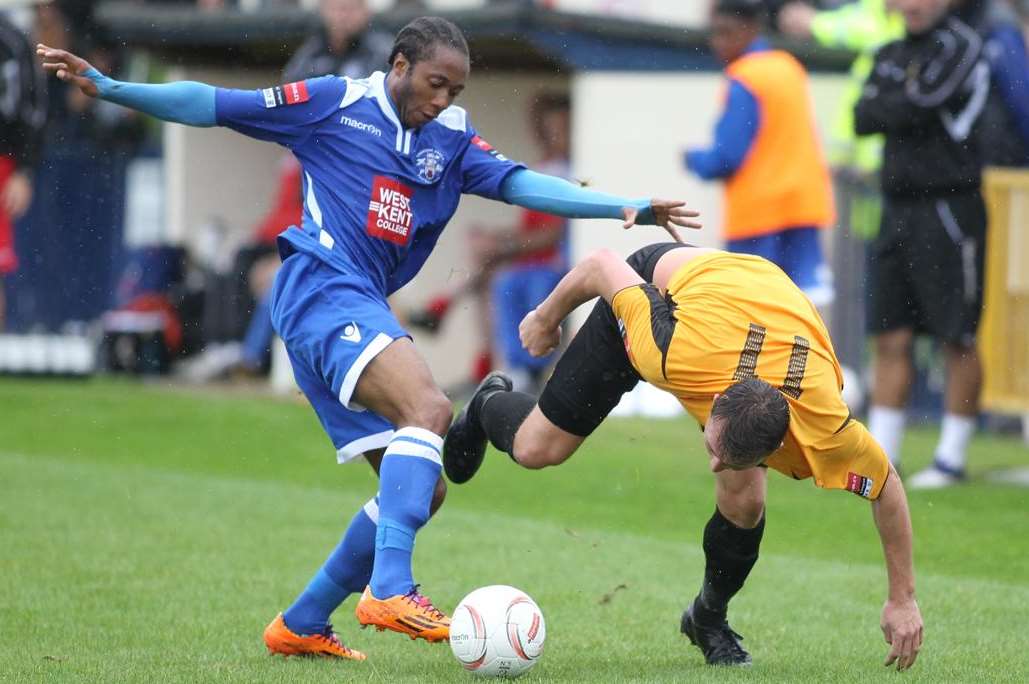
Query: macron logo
[
  {"x": 361, "y": 126},
  {"x": 351, "y": 333}
]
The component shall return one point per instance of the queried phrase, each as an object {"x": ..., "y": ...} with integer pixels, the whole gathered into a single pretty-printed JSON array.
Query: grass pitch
[{"x": 148, "y": 534}]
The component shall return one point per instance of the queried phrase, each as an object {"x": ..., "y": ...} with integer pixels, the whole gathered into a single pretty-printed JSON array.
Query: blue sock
[
  {"x": 346, "y": 571},
  {"x": 407, "y": 478}
]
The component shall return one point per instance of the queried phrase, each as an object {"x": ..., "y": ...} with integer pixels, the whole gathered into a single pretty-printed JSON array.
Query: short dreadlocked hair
[{"x": 419, "y": 39}]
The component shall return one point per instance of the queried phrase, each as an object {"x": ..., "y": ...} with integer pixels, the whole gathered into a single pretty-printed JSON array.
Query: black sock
[
  {"x": 730, "y": 553},
  {"x": 501, "y": 414}
]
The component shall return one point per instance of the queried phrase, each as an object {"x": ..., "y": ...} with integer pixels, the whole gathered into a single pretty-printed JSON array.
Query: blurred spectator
[
  {"x": 515, "y": 268},
  {"x": 927, "y": 93},
  {"x": 22, "y": 117},
  {"x": 862, "y": 26},
  {"x": 236, "y": 320},
  {"x": 74, "y": 225},
  {"x": 778, "y": 193},
  {"x": 1007, "y": 118},
  {"x": 344, "y": 45},
  {"x": 531, "y": 258}
]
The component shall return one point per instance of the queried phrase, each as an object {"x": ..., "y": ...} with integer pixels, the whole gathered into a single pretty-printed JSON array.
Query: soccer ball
[{"x": 497, "y": 631}]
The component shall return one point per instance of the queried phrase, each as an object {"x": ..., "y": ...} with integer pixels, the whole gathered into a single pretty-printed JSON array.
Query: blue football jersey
[{"x": 377, "y": 196}]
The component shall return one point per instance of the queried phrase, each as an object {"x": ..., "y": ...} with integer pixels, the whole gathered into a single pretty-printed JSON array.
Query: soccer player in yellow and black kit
[{"x": 748, "y": 356}]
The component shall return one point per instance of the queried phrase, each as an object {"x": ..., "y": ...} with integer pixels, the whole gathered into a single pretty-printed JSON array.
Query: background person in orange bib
[{"x": 778, "y": 192}]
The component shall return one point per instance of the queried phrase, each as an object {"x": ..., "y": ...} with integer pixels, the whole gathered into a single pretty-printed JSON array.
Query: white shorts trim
[
  {"x": 351, "y": 451},
  {"x": 346, "y": 391}
]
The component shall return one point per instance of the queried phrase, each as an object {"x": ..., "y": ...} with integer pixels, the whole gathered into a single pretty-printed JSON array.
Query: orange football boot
[
  {"x": 282, "y": 640},
  {"x": 411, "y": 614}
]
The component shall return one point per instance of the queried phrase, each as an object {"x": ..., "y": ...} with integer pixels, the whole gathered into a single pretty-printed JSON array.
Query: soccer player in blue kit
[{"x": 386, "y": 160}]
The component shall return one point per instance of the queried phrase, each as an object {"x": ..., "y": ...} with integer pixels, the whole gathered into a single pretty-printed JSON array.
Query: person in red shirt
[
  {"x": 515, "y": 268},
  {"x": 22, "y": 117}
]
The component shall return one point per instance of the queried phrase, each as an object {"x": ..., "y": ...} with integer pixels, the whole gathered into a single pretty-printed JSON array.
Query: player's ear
[{"x": 401, "y": 64}]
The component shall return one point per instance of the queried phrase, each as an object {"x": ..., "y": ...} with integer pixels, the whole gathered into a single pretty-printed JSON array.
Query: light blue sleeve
[
  {"x": 557, "y": 196},
  {"x": 184, "y": 102}
]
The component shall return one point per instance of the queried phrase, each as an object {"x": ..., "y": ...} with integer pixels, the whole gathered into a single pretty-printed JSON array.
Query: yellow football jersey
[{"x": 727, "y": 317}]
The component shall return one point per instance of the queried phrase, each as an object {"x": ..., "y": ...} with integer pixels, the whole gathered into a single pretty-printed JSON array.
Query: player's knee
[
  {"x": 603, "y": 256},
  {"x": 743, "y": 510},
  {"x": 536, "y": 454},
  {"x": 433, "y": 412},
  {"x": 438, "y": 496},
  {"x": 741, "y": 499}
]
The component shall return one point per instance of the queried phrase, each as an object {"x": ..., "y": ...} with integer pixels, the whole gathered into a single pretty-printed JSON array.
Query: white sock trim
[
  {"x": 414, "y": 441},
  {"x": 371, "y": 509},
  {"x": 887, "y": 426},
  {"x": 955, "y": 433}
]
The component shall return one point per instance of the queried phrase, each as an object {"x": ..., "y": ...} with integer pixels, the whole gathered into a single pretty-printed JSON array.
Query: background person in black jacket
[
  {"x": 927, "y": 93},
  {"x": 344, "y": 45},
  {"x": 22, "y": 117}
]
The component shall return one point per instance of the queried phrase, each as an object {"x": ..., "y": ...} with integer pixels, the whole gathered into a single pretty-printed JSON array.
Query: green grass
[{"x": 149, "y": 534}]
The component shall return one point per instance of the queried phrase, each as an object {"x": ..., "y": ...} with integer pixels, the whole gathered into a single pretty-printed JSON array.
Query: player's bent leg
[
  {"x": 439, "y": 494},
  {"x": 731, "y": 541},
  {"x": 465, "y": 444},
  {"x": 397, "y": 385},
  {"x": 588, "y": 382},
  {"x": 740, "y": 496},
  {"x": 539, "y": 443}
]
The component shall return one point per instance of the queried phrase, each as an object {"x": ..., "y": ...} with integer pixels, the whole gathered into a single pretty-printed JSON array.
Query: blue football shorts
[
  {"x": 798, "y": 252},
  {"x": 333, "y": 324},
  {"x": 517, "y": 291}
]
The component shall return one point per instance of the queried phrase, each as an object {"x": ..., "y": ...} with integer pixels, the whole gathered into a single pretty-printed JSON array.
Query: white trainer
[{"x": 933, "y": 477}]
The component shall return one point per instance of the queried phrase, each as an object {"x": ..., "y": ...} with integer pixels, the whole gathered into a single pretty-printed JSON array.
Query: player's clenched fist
[
  {"x": 538, "y": 337},
  {"x": 69, "y": 68}
]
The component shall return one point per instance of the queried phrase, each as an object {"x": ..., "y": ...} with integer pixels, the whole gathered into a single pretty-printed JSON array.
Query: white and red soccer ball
[{"x": 497, "y": 631}]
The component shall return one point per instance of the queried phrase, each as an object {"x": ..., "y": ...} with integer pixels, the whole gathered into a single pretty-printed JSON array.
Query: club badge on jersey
[
  {"x": 289, "y": 94},
  {"x": 430, "y": 164}
]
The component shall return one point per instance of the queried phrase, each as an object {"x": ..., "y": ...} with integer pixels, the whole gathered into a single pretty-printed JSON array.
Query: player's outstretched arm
[
  {"x": 555, "y": 195},
  {"x": 901, "y": 620},
  {"x": 601, "y": 274},
  {"x": 185, "y": 102}
]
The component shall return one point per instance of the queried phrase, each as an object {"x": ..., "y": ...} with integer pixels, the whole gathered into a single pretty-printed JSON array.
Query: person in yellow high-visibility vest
[{"x": 778, "y": 193}]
